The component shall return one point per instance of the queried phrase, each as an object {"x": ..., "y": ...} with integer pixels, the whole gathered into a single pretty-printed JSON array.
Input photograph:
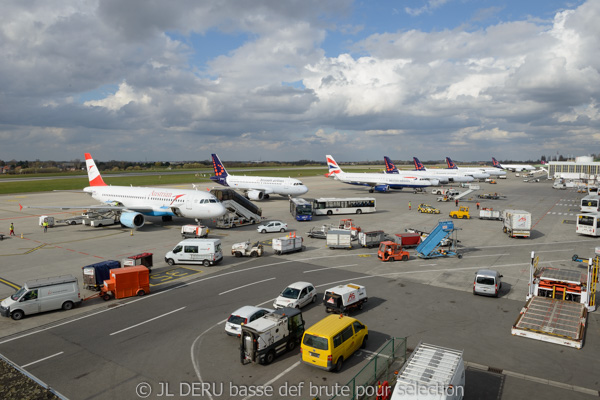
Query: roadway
[{"x": 174, "y": 337}]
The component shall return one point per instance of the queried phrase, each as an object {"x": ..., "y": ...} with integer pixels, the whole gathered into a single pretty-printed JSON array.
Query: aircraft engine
[
  {"x": 381, "y": 188},
  {"x": 255, "y": 194},
  {"x": 132, "y": 219}
]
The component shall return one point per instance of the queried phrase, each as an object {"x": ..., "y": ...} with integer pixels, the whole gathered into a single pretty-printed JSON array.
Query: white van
[
  {"x": 196, "y": 251},
  {"x": 41, "y": 295}
]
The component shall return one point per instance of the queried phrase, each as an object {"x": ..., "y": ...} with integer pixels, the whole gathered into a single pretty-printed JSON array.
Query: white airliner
[
  {"x": 444, "y": 176},
  {"x": 475, "y": 172},
  {"x": 376, "y": 181},
  {"x": 132, "y": 203},
  {"x": 513, "y": 167},
  {"x": 257, "y": 187}
]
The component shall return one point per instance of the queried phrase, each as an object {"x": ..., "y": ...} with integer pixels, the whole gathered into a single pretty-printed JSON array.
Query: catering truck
[
  {"x": 41, "y": 295},
  {"x": 435, "y": 371},
  {"x": 517, "y": 223},
  {"x": 274, "y": 333}
]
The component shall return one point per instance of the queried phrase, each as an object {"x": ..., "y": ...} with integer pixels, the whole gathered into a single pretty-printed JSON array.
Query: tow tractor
[
  {"x": 391, "y": 251},
  {"x": 558, "y": 302},
  {"x": 462, "y": 212},
  {"x": 245, "y": 249}
]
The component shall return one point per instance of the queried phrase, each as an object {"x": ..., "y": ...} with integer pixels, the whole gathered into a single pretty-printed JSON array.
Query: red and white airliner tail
[{"x": 93, "y": 173}]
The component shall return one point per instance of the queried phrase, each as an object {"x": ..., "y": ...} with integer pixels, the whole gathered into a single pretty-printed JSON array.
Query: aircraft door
[{"x": 189, "y": 201}]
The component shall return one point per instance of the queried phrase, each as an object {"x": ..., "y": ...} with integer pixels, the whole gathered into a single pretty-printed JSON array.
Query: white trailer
[
  {"x": 194, "y": 231},
  {"x": 431, "y": 372},
  {"x": 287, "y": 244},
  {"x": 489, "y": 213},
  {"x": 102, "y": 222},
  {"x": 371, "y": 239},
  {"x": 345, "y": 298},
  {"x": 517, "y": 223},
  {"x": 339, "y": 239},
  {"x": 446, "y": 192}
]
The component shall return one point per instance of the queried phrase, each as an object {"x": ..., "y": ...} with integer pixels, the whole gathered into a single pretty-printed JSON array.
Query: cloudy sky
[{"x": 290, "y": 80}]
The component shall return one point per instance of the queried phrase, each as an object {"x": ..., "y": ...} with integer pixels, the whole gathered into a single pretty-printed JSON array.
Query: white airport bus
[
  {"x": 588, "y": 224},
  {"x": 350, "y": 205},
  {"x": 590, "y": 203}
]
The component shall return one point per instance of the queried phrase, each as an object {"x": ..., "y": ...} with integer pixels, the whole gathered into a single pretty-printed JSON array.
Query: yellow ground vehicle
[
  {"x": 462, "y": 212},
  {"x": 332, "y": 340},
  {"x": 426, "y": 208}
]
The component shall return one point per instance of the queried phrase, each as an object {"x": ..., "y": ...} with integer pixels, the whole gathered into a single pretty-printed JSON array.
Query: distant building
[{"x": 583, "y": 167}]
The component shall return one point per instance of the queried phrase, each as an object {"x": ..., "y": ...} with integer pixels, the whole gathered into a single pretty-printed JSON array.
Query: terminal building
[{"x": 583, "y": 168}]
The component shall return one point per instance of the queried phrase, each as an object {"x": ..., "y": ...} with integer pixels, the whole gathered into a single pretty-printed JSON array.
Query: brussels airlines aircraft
[
  {"x": 444, "y": 176},
  {"x": 513, "y": 167},
  {"x": 132, "y": 203},
  {"x": 257, "y": 187},
  {"x": 478, "y": 173},
  {"x": 377, "y": 181}
]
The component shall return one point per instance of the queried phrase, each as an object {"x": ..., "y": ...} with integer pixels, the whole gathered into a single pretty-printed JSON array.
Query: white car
[
  {"x": 296, "y": 295},
  {"x": 272, "y": 226},
  {"x": 243, "y": 315}
]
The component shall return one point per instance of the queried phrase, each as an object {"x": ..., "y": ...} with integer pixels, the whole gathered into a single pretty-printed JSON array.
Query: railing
[{"x": 389, "y": 358}]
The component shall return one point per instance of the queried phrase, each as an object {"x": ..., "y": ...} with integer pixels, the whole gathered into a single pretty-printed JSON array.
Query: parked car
[
  {"x": 272, "y": 226},
  {"x": 243, "y": 315},
  {"x": 296, "y": 295}
]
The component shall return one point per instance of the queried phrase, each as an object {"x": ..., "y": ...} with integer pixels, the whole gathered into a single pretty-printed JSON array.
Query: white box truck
[
  {"x": 431, "y": 372},
  {"x": 194, "y": 231},
  {"x": 517, "y": 223},
  {"x": 41, "y": 295},
  {"x": 196, "y": 251}
]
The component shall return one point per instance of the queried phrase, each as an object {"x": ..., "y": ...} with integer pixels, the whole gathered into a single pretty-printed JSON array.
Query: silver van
[
  {"x": 41, "y": 295},
  {"x": 487, "y": 282}
]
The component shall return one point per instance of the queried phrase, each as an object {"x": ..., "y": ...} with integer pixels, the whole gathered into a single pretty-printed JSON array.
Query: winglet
[{"x": 93, "y": 174}]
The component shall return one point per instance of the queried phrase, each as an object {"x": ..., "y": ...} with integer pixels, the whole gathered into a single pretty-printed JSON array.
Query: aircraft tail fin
[
  {"x": 495, "y": 163},
  {"x": 93, "y": 173},
  {"x": 390, "y": 168},
  {"x": 220, "y": 171},
  {"x": 451, "y": 163},
  {"x": 419, "y": 165},
  {"x": 334, "y": 168}
]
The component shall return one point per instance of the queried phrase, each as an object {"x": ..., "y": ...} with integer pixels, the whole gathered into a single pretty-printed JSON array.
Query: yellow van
[{"x": 332, "y": 340}]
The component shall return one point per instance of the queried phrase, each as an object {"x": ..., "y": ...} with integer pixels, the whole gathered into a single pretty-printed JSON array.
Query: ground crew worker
[
  {"x": 409, "y": 205},
  {"x": 45, "y": 225},
  {"x": 456, "y": 202},
  {"x": 12, "y": 229},
  {"x": 478, "y": 205}
]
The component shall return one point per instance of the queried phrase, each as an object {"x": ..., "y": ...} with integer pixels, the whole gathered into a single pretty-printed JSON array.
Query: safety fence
[{"x": 381, "y": 367}]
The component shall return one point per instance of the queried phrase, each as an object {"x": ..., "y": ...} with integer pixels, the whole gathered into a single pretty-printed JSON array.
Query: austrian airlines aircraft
[
  {"x": 257, "y": 187},
  {"x": 513, "y": 167},
  {"x": 377, "y": 182},
  {"x": 444, "y": 176},
  {"x": 132, "y": 203}
]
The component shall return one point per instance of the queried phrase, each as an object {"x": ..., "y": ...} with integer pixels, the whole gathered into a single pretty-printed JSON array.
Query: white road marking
[
  {"x": 277, "y": 377},
  {"x": 145, "y": 322},
  {"x": 322, "y": 269},
  {"x": 552, "y": 251},
  {"x": 41, "y": 359},
  {"x": 490, "y": 255},
  {"x": 249, "y": 284}
]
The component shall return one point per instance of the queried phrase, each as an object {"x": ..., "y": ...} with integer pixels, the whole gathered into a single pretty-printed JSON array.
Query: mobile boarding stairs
[{"x": 431, "y": 246}]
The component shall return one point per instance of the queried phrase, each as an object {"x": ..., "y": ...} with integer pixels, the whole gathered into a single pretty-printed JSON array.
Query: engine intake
[
  {"x": 255, "y": 194},
  {"x": 132, "y": 219}
]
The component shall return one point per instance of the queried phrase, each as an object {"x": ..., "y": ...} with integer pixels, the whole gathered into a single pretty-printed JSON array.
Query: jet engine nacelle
[
  {"x": 255, "y": 194},
  {"x": 132, "y": 219},
  {"x": 381, "y": 188}
]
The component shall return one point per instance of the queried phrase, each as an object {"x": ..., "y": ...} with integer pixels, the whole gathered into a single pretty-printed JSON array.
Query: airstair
[
  {"x": 472, "y": 188},
  {"x": 431, "y": 246},
  {"x": 240, "y": 211}
]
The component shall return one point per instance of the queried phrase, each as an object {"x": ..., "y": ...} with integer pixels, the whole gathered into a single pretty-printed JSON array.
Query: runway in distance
[
  {"x": 475, "y": 172},
  {"x": 131, "y": 204},
  {"x": 513, "y": 167},
  {"x": 257, "y": 187},
  {"x": 376, "y": 181},
  {"x": 444, "y": 176}
]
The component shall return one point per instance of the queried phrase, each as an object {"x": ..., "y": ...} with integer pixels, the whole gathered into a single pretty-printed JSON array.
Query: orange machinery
[{"x": 127, "y": 282}]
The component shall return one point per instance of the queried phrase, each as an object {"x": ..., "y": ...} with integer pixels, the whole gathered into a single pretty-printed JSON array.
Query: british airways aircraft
[
  {"x": 513, "y": 167},
  {"x": 133, "y": 203},
  {"x": 478, "y": 173},
  {"x": 376, "y": 181},
  {"x": 444, "y": 176},
  {"x": 257, "y": 187}
]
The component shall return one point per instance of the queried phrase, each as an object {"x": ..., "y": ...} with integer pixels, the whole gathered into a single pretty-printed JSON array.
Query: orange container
[{"x": 128, "y": 282}]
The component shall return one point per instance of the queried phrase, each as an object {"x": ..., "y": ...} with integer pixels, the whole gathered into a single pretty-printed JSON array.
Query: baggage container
[
  {"x": 339, "y": 239},
  {"x": 371, "y": 239},
  {"x": 127, "y": 282},
  {"x": 287, "y": 244},
  {"x": 94, "y": 275}
]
